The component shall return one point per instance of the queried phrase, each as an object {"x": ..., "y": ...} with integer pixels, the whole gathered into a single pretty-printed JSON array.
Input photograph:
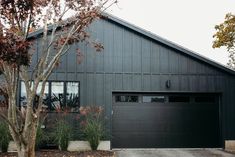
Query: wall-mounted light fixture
[{"x": 168, "y": 84}]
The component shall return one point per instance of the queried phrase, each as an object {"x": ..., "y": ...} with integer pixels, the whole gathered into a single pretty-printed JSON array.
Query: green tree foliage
[{"x": 225, "y": 36}]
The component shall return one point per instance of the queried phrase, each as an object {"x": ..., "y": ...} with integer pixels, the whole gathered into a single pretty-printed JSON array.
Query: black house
[{"x": 156, "y": 94}]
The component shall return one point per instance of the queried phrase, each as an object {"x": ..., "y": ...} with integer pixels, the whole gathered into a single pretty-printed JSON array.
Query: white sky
[{"x": 189, "y": 23}]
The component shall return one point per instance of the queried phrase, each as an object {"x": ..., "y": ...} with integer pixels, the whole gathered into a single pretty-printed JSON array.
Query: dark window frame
[
  {"x": 164, "y": 98},
  {"x": 179, "y": 99},
  {"x": 50, "y": 93},
  {"x": 115, "y": 98},
  {"x": 205, "y": 99},
  {"x": 66, "y": 92}
]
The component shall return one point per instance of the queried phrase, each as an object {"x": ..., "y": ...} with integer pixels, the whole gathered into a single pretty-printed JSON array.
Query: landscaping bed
[{"x": 58, "y": 153}]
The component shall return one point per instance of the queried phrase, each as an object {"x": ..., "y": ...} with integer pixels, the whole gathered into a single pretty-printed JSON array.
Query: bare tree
[{"x": 18, "y": 18}]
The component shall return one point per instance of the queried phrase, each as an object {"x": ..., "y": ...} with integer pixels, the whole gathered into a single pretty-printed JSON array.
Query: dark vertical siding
[
  {"x": 80, "y": 65},
  {"x": 183, "y": 64},
  {"x": 126, "y": 51},
  {"x": 184, "y": 83},
  {"x": 163, "y": 60},
  {"x": 99, "y": 93},
  {"x": 173, "y": 62},
  {"x": 108, "y": 47},
  {"x": 117, "y": 49},
  {"x": 154, "y": 60},
  {"x": 146, "y": 47},
  {"x": 108, "y": 98},
  {"x": 136, "y": 84},
  {"x": 132, "y": 62},
  {"x": 136, "y": 54}
]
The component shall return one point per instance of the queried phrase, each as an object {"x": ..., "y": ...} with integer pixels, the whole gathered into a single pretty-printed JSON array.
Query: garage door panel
[
  {"x": 161, "y": 140},
  {"x": 147, "y": 140},
  {"x": 165, "y": 125},
  {"x": 157, "y": 116},
  {"x": 134, "y": 111}
]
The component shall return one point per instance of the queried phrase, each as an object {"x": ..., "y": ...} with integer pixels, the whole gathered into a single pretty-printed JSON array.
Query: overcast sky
[{"x": 189, "y": 23}]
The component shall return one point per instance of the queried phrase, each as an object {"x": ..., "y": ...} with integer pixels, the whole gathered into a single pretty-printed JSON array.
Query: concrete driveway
[{"x": 172, "y": 153}]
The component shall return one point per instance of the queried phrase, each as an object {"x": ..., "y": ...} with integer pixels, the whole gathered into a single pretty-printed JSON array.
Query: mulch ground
[{"x": 57, "y": 153}]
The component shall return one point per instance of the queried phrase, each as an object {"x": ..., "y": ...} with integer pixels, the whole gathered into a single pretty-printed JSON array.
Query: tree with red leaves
[{"x": 17, "y": 20}]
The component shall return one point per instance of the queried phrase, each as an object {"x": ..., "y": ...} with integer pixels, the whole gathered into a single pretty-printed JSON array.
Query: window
[
  {"x": 57, "y": 95},
  {"x": 46, "y": 90},
  {"x": 147, "y": 99},
  {"x": 72, "y": 95},
  {"x": 126, "y": 98},
  {"x": 23, "y": 95},
  {"x": 23, "y": 101},
  {"x": 179, "y": 98},
  {"x": 205, "y": 99},
  {"x": 46, "y": 96}
]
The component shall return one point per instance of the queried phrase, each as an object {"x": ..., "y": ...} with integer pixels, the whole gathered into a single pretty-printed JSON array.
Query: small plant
[
  {"x": 92, "y": 125},
  {"x": 41, "y": 137},
  {"x": 62, "y": 134},
  {"x": 4, "y": 136}
]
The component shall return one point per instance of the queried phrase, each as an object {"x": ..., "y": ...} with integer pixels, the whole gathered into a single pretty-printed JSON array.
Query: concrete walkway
[{"x": 172, "y": 153}]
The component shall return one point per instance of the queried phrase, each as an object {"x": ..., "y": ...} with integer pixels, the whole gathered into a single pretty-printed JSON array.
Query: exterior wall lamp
[{"x": 168, "y": 84}]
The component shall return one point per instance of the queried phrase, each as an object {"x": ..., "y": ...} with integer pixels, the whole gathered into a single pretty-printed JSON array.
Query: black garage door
[{"x": 165, "y": 121}]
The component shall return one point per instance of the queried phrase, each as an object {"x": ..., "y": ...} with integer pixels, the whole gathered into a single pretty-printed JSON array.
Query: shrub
[
  {"x": 62, "y": 134},
  {"x": 92, "y": 125},
  {"x": 41, "y": 137},
  {"x": 4, "y": 136}
]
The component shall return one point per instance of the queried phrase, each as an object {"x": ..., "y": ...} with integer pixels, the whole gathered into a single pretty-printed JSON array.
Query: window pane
[
  {"x": 153, "y": 98},
  {"x": 23, "y": 94},
  {"x": 179, "y": 98},
  {"x": 126, "y": 98},
  {"x": 72, "y": 96},
  {"x": 206, "y": 99},
  {"x": 46, "y": 90},
  {"x": 23, "y": 101},
  {"x": 46, "y": 99},
  {"x": 57, "y": 95}
]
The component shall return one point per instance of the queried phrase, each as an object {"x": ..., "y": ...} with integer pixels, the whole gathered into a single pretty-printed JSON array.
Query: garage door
[{"x": 165, "y": 121}]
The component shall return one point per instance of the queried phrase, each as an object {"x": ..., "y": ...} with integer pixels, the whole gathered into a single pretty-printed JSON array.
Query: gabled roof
[
  {"x": 169, "y": 43},
  {"x": 158, "y": 39}
]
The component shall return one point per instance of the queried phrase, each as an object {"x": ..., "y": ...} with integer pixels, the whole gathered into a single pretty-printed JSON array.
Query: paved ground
[{"x": 172, "y": 153}]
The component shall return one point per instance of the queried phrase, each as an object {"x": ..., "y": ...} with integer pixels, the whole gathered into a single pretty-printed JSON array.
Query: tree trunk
[
  {"x": 27, "y": 150},
  {"x": 31, "y": 143},
  {"x": 24, "y": 138},
  {"x": 22, "y": 152}
]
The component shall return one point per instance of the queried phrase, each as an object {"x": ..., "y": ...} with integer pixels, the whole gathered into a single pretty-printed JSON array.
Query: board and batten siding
[{"x": 133, "y": 62}]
